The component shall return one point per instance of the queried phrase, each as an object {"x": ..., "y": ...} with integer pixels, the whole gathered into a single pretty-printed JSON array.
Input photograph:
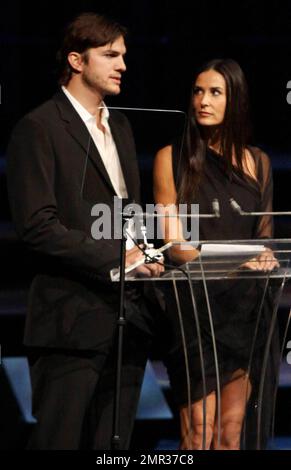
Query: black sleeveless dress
[{"x": 234, "y": 303}]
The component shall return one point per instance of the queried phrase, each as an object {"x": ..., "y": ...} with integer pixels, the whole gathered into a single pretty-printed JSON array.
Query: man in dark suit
[{"x": 64, "y": 157}]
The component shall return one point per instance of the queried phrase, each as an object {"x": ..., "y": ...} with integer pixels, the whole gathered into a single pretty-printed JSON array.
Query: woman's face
[{"x": 209, "y": 98}]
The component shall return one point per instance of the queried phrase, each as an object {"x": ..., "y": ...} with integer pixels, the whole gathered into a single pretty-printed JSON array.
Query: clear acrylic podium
[{"x": 221, "y": 262}]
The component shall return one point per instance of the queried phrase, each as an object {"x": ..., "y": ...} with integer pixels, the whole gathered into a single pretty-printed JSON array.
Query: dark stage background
[{"x": 167, "y": 41}]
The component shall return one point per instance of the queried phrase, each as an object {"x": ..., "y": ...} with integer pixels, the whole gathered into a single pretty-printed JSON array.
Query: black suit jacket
[{"x": 52, "y": 188}]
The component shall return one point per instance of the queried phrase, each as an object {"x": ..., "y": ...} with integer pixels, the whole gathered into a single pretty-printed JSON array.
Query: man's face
[{"x": 102, "y": 68}]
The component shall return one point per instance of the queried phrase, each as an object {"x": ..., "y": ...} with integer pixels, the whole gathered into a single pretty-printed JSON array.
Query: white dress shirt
[
  {"x": 107, "y": 150},
  {"x": 104, "y": 143}
]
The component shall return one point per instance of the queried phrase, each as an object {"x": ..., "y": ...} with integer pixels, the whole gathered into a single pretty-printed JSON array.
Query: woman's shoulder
[
  {"x": 163, "y": 160},
  {"x": 164, "y": 185},
  {"x": 168, "y": 160},
  {"x": 164, "y": 152},
  {"x": 262, "y": 163},
  {"x": 258, "y": 154}
]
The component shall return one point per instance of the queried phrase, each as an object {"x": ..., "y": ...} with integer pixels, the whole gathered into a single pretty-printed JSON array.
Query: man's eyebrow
[{"x": 114, "y": 51}]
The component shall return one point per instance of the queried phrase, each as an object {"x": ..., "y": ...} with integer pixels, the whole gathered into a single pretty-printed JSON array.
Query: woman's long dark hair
[{"x": 234, "y": 130}]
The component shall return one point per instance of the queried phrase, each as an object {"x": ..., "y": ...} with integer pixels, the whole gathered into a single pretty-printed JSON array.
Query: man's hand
[
  {"x": 145, "y": 270},
  {"x": 265, "y": 261}
]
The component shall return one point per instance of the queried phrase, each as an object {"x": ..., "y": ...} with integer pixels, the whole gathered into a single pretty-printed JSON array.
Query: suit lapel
[
  {"x": 128, "y": 165},
  {"x": 78, "y": 130}
]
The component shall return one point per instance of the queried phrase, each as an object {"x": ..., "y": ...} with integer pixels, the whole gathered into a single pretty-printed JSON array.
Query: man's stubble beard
[{"x": 95, "y": 87}]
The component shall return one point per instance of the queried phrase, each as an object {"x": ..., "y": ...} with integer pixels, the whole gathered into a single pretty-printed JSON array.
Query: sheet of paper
[{"x": 224, "y": 249}]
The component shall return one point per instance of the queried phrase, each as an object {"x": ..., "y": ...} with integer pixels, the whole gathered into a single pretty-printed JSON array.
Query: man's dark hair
[{"x": 85, "y": 31}]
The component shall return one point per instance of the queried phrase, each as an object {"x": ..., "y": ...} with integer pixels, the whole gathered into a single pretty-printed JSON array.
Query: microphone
[
  {"x": 151, "y": 253},
  {"x": 236, "y": 207},
  {"x": 216, "y": 208}
]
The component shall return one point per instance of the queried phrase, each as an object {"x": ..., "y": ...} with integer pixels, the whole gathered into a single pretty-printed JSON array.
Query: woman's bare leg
[
  {"x": 192, "y": 439},
  {"x": 234, "y": 397}
]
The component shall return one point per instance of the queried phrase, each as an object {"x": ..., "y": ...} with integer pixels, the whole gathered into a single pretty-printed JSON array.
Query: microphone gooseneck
[
  {"x": 235, "y": 206},
  {"x": 216, "y": 208}
]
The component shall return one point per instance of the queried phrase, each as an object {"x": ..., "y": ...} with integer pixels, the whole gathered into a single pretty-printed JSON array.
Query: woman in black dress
[{"x": 215, "y": 162}]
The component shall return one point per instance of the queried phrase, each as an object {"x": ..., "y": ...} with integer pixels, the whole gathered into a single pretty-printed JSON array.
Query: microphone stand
[{"x": 121, "y": 322}]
